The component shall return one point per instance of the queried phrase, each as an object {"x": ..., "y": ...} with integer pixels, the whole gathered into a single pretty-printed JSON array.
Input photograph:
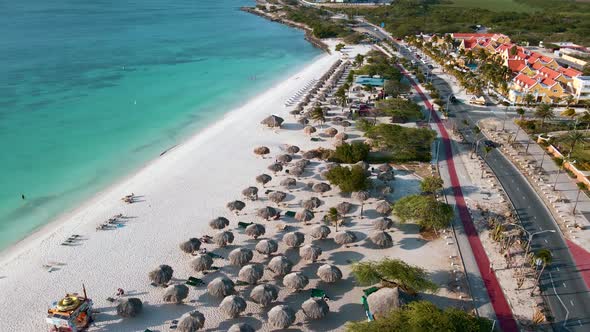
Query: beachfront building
[
  {"x": 486, "y": 41},
  {"x": 581, "y": 87},
  {"x": 542, "y": 89}
]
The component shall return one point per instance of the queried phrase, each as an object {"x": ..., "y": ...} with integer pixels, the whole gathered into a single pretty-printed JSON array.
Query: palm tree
[
  {"x": 486, "y": 149},
  {"x": 476, "y": 131},
  {"x": 569, "y": 112},
  {"x": 333, "y": 216},
  {"x": 317, "y": 115},
  {"x": 581, "y": 186},
  {"x": 573, "y": 138},
  {"x": 521, "y": 112},
  {"x": 528, "y": 99},
  {"x": 544, "y": 256},
  {"x": 544, "y": 112}
]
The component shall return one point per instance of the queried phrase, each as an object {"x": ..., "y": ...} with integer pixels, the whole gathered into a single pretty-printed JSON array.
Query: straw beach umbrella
[
  {"x": 344, "y": 237},
  {"x": 264, "y": 294},
  {"x": 315, "y": 308},
  {"x": 284, "y": 159},
  {"x": 251, "y": 273},
  {"x": 361, "y": 197},
  {"x": 304, "y": 121},
  {"x": 250, "y": 193},
  {"x": 383, "y": 224},
  {"x": 292, "y": 149},
  {"x": 385, "y": 168},
  {"x": 261, "y": 151},
  {"x": 341, "y": 136},
  {"x": 233, "y": 306},
  {"x": 267, "y": 247},
  {"x": 221, "y": 287},
  {"x": 281, "y": 316},
  {"x": 191, "y": 322},
  {"x": 129, "y": 307},
  {"x": 383, "y": 207},
  {"x": 310, "y": 252},
  {"x": 190, "y": 246},
  {"x": 222, "y": 239},
  {"x": 263, "y": 179},
  {"x": 386, "y": 176},
  {"x": 343, "y": 208},
  {"x": 331, "y": 132},
  {"x": 241, "y": 327},
  {"x": 321, "y": 187},
  {"x": 277, "y": 197},
  {"x": 312, "y": 203},
  {"x": 280, "y": 265},
  {"x": 288, "y": 183},
  {"x": 273, "y": 121},
  {"x": 176, "y": 293},
  {"x": 329, "y": 273},
  {"x": 293, "y": 239},
  {"x": 202, "y": 262},
  {"x": 304, "y": 215},
  {"x": 255, "y": 230},
  {"x": 240, "y": 256},
  {"x": 320, "y": 232},
  {"x": 385, "y": 300},
  {"x": 381, "y": 239},
  {"x": 308, "y": 130},
  {"x": 266, "y": 212},
  {"x": 219, "y": 223},
  {"x": 310, "y": 154},
  {"x": 302, "y": 163},
  {"x": 161, "y": 275},
  {"x": 296, "y": 171},
  {"x": 237, "y": 206},
  {"x": 275, "y": 167},
  {"x": 295, "y": 281}
]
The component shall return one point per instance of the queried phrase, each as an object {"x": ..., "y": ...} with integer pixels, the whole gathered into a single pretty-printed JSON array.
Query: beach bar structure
[{"x": 73, "y": 313}]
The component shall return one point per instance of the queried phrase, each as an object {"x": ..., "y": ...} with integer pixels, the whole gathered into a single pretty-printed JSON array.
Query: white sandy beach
[{"x": 177, "y": 196}]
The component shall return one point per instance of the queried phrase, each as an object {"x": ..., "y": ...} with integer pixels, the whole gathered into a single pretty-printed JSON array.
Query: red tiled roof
[
  {"x": 525, "y": 80},
  {"x": 546, "y": 59},
  {"x": 537, "y": 65},
  {"x": 472, "y": 35},
  {"x": 504, "y": 47},
  {"x": 544, "y": 80},
  {"x": 516, "y": 65},
  {"x": 570, "y": 72},
  {"x": 548, "y": 72}
]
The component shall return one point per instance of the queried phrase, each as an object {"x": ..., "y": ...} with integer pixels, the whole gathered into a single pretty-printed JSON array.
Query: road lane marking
[
  {"x": 557, "y": 269},
  {"x": 572, "y": 303},
  {"x": 564, "y": 285},
  {"x": 546, "y": 241},
  {"x": 541, "y": 228}
]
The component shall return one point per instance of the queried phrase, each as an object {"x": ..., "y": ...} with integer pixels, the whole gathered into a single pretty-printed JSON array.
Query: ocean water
[{"x": 92, "y": 90}]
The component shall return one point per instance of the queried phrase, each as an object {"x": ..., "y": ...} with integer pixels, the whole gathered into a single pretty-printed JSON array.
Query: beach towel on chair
[
  {"x": 316, "y": 292},
  {"x": 242, "y": 224}
]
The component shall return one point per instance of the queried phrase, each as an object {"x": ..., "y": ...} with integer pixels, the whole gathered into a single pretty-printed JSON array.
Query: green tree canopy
[
  {"x": 426, "y": 211},
  {"x": 350, "y": 153},
  {"x": 431, "y": 184},
  {"x": 349, "y": 179},
  {"x": 400, "y": 109},
  {"x": 393, "y": 272},
  {"x": 395, "y": 87},
  {"x": 404, "y": 144}
]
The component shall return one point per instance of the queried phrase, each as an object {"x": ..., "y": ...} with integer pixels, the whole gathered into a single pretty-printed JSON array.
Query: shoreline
[{"x": 41, "y": 231}]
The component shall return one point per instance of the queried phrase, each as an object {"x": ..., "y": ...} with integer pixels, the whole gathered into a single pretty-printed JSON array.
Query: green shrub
[
  {"x": 349, "y": 179},
  {"x": 350, "y": 153}
]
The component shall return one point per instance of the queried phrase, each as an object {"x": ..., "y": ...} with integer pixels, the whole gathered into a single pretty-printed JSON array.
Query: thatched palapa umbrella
[
  {"x": 280, "y": 265},
  {"x": 277, "y": 197},
  {"x": 383, "y": 207},
  {"x": 190, "y": 246},
  {"x": 315, "y": 308},
  {"x": 361, "y": 197},
  {"x": 241, "y": 327},
  {"x": 261, "y": 151},
  {"x": 266, "y": 212},
  {"x": 295, "y": 281},
  {"x": 161, "y": 275},
  {"x": 296, "y": 171},
  {"x": 385, "y": 168},
  {"x": 288, "y": 183},
  {"x": 383, "y": 224},
  {"x": 251, "y": 273},
  {"x": 233, "y": 306},
  {"x": 284, "y": 159},
  {"x": 263, "y": 179},
  {"x": 275, "y": 167},
  {"x": 320, "y": 232},
  {"x": 273, "y": 121},
  {"x": 310, "y": 252},
  {"x": 329, "y": 273},
  {"x": 221, "y": 287},
  {"x": 310, "y": 154},
  {"x": 191, "y": 322},
  {"x": 386, "y": 176},
  {"x": 381, "y": 239},
  {"x": 240, "y": 256},
  {"x": 267, "y": 247},
  {"x": 321, "y": 187},
  {"x": 304, "y": 121},
  {"x": 362, "y": 164},
  {"x": 281, "y": 316},
  {"x": 302, "y": 163},
  {"x": 308, "y": 130},
  {"x": 250, "y": 193},
  {"x": 255, "y": 230},
  {"x": 219, "y": 223},
  {"x": 331, "y": 132},
  {"x": 176, "y": 293},
  {"x": 292, "y": 149},
  {"x": 311, "y": 204},
  {"x": 129, "y": 307},
  {"x": 222, "y": 239},
  {"x": 236, "y": 206},
  {"x": 385, "y": 300},
  {"x": 294, "y": 239},
  {"x": 341, "y": 136},
  {"x": 202, "y": 262},
  {"x": 344, "y": 237},
  {"x": 264, "y": 294},
  {"x": 304, "y": 215},
  {"x": 343, "y": 208}
]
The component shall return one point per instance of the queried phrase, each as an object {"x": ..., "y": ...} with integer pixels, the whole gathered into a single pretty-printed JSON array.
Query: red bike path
[{"x": 497, "y": 298}]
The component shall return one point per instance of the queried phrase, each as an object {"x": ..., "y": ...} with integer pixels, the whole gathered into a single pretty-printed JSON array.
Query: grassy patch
[{"x": 495, "y": 5}]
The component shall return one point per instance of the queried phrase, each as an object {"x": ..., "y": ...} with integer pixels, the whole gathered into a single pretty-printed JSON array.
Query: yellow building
[{"x": 542, "y": 89}]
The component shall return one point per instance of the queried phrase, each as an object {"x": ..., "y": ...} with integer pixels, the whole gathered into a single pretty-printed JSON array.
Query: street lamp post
[{"x": 530, "y": 236}]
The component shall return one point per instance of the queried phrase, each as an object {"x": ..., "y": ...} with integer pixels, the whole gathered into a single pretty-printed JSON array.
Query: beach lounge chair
[
  {"x": 241, "y": 283},
  {"x": 268, "y": 191},
  {"x": 368, "y": 313},
  {"x": 290, "y": 214},
  {"x": 370, "y": 290},
  {"x": 316, "y": 292},
  {"x": 315, "y": 139},
  {"x": 195, "y": 282},
  {"x": 215, "y": 256},
  {"x": 242, "y": 224}
]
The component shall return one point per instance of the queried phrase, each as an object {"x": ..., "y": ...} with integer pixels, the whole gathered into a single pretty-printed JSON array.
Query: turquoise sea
[{"x": 92, "y": 90}]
